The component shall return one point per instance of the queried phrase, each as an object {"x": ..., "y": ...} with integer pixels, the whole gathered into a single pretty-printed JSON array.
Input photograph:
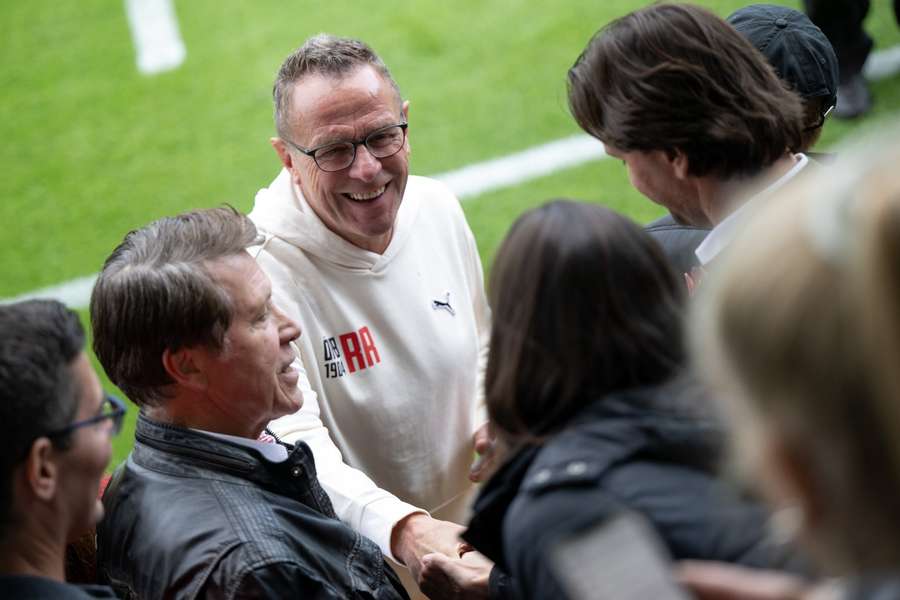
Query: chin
[{"x": 90, "y": 521}]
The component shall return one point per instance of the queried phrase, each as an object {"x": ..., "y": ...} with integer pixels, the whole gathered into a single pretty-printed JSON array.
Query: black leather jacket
[
  {"x": 632, "y": 450},
  {"x": 190, "y": 515}
]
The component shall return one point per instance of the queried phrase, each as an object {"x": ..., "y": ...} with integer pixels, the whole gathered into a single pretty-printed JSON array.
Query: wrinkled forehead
[
  {"x": 242, "y": 280},
  {"x": 322, "y": 99}
]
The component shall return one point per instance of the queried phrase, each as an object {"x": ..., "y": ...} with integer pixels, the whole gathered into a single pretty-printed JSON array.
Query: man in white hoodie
[{"x": 382, "y": 273}]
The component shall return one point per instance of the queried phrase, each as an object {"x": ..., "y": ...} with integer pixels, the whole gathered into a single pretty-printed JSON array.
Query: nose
[
  {"x": 366, "y": 167},
  {"x": 288, "y": 330}
]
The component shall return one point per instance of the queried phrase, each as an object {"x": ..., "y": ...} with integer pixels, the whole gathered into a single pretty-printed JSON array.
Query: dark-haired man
[
  {"x": 56, "y": 424},
  {"x": 702, "y": 123},
  {"x": 803, "y": 58},
  {"x": 207, "y": 505}
]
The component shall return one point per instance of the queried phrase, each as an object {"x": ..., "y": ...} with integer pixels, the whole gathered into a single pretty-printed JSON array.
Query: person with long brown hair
[
  {"x": 698, "y": 117},
  {"x": 583, "y": 395}
]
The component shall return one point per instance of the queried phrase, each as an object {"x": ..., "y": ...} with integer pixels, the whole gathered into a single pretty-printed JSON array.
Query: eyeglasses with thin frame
[
  {"x": 336, "y": 156},
  {"x": 111, "y": 408}
]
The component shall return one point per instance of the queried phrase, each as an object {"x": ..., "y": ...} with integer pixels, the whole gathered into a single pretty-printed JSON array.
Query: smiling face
[
  {"x": 252, "y": 379},
  {"x": 358, "y": 203}
]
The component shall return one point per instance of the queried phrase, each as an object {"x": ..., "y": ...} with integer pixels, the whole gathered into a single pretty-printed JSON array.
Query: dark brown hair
[
  {"x": 584, "y": 304},
  {"x": 154, "y": 294},
  {"x": 676, "y": 77}
]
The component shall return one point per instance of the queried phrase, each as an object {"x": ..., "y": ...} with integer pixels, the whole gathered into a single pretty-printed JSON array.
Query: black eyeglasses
[
  {"x": 336, "y": 156},
  {"x": 821, "y": 120},
  {"x": 112, "y": 408}
]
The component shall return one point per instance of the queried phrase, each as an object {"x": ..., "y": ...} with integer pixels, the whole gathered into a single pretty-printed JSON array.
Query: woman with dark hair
[{"x": 583, "y": 397}]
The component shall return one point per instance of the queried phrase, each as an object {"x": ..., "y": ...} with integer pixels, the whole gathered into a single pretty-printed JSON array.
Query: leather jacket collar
[{"x": 160, "y": 445}]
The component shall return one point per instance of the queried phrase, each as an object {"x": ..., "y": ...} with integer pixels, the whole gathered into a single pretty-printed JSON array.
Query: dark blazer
[{"x": 677, "y": 241}]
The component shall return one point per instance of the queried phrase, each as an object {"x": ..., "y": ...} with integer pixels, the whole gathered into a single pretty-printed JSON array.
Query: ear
[
  {"x": 405, "y": 111},
  {"x": 283, "y": 153},
  {"x": 184, "y": 367},
  {"x": 680, "y": 165},
  {"x": 40, "y": 471}
]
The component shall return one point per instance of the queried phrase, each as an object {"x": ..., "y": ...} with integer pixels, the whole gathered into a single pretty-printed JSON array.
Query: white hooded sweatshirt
[{"x": 393, "y": 346}]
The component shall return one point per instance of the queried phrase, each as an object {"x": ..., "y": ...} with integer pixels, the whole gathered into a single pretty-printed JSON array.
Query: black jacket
[
  {"x": 190, "y": 515},
  {"x": 27, "y": 587},
  {"x": 625, "y": 451},
  {"x": 882, "y": 586}
]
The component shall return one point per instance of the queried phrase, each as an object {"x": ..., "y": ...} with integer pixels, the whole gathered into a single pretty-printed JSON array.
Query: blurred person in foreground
[
  {"x": 803, "y": 58},
  {"x": 582, "y": 395},
  {"x": 57, "y": 425},
  {"x": 382, "y": 273},
  {"x": 801, "y": 338},
  {"x": 208, "y": 504},
  {"x": 700, "y": 120}
]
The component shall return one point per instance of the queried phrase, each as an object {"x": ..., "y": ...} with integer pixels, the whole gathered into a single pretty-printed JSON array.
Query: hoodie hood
[{"x": 280, "y": 211}]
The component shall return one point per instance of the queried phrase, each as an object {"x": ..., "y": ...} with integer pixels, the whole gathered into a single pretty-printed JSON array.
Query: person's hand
[
  {"x": 693, "y": 279},
  {"x": 418, "y": 534},
  {"x": 444, "y": 578},
  {"x": 484, "y": 444},
  {"x": 721, "y": 581}
]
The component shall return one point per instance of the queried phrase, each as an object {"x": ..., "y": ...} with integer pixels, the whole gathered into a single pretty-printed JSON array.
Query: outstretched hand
[
  {"x": 720, "y": 581},
  {"x": 419, "y": 534},
  {"x": 444, "y": 578}
]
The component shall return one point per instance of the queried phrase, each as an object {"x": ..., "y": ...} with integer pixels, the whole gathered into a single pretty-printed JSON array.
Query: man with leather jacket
[{"x": 208, "y": 504}]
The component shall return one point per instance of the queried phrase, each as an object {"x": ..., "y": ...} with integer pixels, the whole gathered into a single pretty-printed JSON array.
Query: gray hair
[
  {"x": 326, "y": 55},
  {"x": 155, "y": 294}
]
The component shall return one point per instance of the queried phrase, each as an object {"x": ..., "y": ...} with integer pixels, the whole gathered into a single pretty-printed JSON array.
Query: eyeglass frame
[
  {"x": 116, "y": 416},
  {"x": 311, "y": 152}
]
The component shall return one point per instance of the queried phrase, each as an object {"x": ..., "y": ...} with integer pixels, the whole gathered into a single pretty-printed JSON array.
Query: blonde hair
[{"x": 799, "y": 324}]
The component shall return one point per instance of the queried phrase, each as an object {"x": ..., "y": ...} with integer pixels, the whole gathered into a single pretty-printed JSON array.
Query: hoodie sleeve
[
  {"x": 482, "y": 321},
  {"x": 357, "y": 501}
]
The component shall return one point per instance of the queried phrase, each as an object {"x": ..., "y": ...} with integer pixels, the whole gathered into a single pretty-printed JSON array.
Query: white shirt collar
[
  {"x": 275, "y": 453},
  {"x": 723, "y": 233}
]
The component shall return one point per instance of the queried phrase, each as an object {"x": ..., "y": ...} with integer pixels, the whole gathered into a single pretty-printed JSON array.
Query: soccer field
[{"x": 93, "y": 148}]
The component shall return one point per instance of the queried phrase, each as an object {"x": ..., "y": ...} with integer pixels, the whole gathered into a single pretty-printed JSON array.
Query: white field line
[
  {"x": 154, "y": 31},
  {"x": 74, "y": 294},
  {"x": 474, "y": 180}
]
